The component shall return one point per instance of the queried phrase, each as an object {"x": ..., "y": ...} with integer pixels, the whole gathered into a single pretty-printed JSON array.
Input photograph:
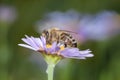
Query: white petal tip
[
  {"x": 90, "y": 55},
  {"x": 27, "y": 46}
]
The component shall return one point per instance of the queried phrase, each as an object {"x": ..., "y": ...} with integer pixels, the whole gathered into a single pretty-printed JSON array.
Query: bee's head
[{"x": 45, "y": 33}]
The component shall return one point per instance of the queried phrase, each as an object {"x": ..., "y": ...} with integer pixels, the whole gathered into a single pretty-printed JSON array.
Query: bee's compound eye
[{"x": 47, "y": 33}]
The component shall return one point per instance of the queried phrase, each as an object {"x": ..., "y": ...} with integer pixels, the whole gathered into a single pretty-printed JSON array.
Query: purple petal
[
  {"x": 87, "y": 55},
  {"x": 28, "y": 42},
  {"x": 75, "y": 53},
  {"x": 39, "y": 42},
  {"x": 70, "y": 52},
  {"x": 53, "y": 49},
  {"x": 31, "y": 42},
  {"x": 85, "y": 51},
  {"x": 27, "y": 46},
  {"x": 35, "y": 43},
  {"x": 43, "y": 40}
]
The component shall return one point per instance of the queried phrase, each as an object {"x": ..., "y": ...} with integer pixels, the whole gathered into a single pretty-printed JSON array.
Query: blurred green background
[{"x": 15, "y": 62}]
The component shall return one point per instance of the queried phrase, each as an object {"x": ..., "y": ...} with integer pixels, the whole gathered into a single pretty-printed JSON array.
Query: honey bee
[{"x": 60, "y": 36}]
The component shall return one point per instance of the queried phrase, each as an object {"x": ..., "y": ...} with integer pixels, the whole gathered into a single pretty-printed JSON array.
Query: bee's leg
[
  {"x": 74, "y": 45},
  {"x": 65, "y": 45}
]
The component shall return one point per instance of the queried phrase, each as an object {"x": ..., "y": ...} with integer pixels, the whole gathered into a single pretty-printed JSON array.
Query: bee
[{"x": 60, "y": 36}]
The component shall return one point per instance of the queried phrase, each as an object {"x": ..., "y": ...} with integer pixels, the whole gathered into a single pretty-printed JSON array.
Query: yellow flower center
[
  {"x": 61, "y": 47},
  {"x": 48, "y": 46}
]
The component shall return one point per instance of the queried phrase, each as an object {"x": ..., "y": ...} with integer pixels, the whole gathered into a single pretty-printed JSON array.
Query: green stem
[
  {"x": 51, "y": 61},
  {"x": 50, "y": 71}
]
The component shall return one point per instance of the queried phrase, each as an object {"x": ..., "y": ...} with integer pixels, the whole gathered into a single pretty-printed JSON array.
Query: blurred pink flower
[{"x": 7, "y": 14}]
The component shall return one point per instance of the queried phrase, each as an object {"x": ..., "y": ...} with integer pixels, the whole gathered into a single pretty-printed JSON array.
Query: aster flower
[
  {"x": 53, "y": 53},
  {"x": 101, "y": 26},
  {"x": 39, "y": 44}
]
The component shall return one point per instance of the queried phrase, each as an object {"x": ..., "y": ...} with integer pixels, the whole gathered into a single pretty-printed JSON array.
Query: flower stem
[{"x": 50, "y": 71}]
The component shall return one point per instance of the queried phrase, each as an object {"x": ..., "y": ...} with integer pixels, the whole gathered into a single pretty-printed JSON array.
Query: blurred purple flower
[
  {"x": 39, "y": 44},
  {"x": 101, "y": 26},
  {"x": 7, "y": 14}
]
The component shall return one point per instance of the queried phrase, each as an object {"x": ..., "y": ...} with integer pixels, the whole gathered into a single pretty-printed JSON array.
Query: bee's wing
[{"x": 75, "y": 35}]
